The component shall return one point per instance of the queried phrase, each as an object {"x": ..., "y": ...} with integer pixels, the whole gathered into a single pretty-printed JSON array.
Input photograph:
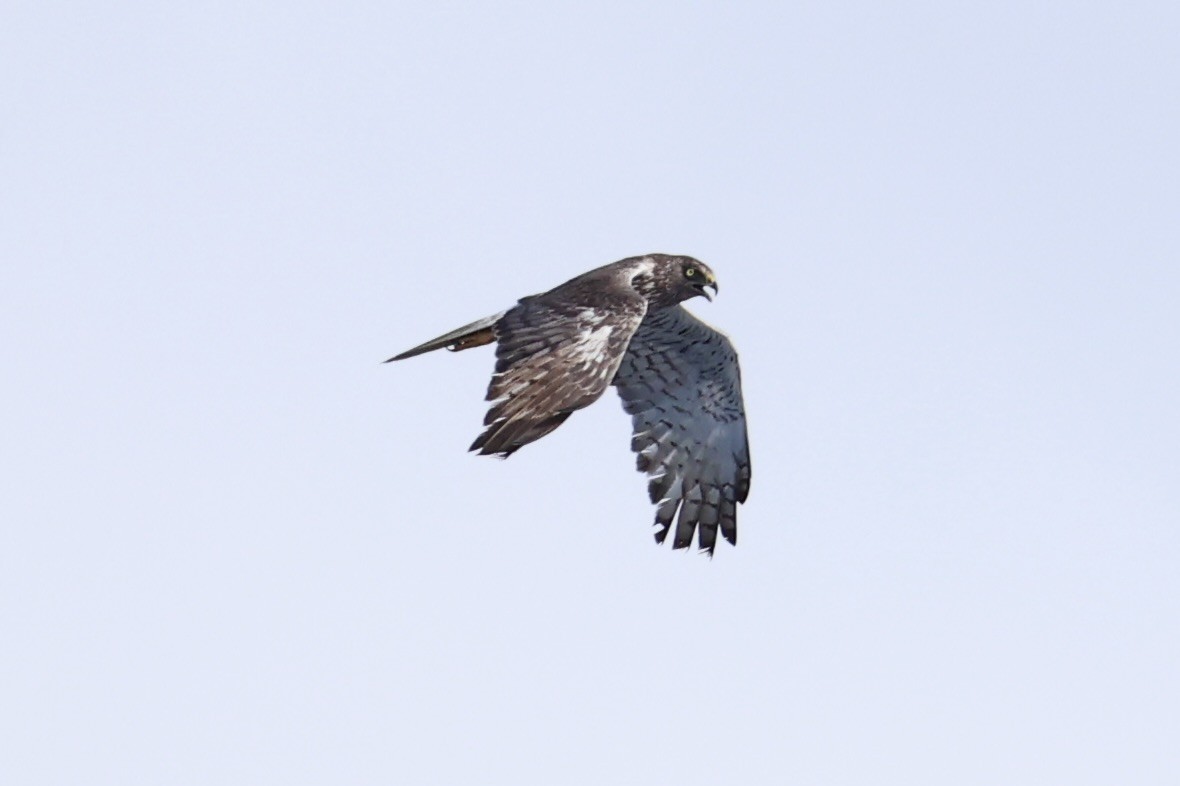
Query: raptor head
[{"x": 675, "y": 279}]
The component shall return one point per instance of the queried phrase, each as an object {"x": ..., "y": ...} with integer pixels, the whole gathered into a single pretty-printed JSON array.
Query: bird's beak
[{"x": 711, "y": 283}]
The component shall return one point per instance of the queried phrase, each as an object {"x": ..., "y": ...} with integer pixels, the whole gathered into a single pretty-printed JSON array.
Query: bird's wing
[
  {"x": 556, "y": 353},
  {"x": 680, "y": 382}
]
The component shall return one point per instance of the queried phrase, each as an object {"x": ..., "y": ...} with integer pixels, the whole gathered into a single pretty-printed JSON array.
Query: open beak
[{"x": 706, "y": 286}]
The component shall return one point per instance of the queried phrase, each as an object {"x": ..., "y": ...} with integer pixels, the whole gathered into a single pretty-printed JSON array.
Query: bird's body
[{"x": 622, "y": 324}]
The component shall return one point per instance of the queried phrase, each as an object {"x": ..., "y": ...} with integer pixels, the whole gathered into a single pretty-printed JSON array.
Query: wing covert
[{"x": 554, "y": 356}]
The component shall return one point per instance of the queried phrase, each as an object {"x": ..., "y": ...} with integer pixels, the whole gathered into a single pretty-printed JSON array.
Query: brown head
[{"x": 667, "y": 279}]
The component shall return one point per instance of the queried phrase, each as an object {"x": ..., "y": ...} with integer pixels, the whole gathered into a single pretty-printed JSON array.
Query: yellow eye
[{"x": 692, "y": 271}]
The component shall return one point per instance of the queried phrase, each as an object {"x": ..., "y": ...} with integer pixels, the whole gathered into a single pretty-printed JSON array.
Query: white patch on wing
[{"x": 591, "y": 346}]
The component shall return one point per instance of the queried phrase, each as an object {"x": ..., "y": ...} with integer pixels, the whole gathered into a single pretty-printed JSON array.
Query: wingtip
[{"x": 481, "y": 448}]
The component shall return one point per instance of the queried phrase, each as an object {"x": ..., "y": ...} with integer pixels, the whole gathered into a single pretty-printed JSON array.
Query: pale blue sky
[{"x": 238, "y": 549}]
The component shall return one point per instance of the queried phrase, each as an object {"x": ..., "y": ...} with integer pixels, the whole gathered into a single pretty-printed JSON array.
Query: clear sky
[{"x": 237, "y": 549}]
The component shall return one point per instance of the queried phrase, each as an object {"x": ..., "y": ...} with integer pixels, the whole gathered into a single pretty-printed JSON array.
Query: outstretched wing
[
  {"x": 556, "y": 353},
  {"x": 680, "y": 382}
]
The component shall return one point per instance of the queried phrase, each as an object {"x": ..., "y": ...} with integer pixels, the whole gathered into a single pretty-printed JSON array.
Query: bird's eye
[{"x": 692, "y": 271}]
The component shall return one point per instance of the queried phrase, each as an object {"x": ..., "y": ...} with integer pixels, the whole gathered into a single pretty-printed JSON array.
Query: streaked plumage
[{"x": 623, "y": 325}]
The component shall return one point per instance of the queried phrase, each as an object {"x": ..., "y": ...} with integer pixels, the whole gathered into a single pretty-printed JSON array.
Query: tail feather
[{"x": 476, "y": 334}]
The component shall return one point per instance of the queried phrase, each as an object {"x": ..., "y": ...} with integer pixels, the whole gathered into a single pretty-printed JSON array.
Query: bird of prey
[{"x": 622, "y": 324}]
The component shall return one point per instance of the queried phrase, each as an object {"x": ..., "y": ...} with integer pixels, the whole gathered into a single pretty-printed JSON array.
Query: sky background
[{"x": 238, "y": 549}]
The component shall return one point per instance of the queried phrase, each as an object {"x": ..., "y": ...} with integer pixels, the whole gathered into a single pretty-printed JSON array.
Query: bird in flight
[{"x": 622, "y": 324}]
